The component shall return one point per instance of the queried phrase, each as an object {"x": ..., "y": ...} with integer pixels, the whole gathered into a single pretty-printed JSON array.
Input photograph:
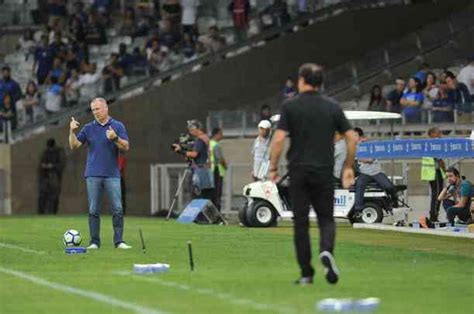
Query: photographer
[
  {"x": 198, "y": 157},
  {"x": 460, "y": 190}
]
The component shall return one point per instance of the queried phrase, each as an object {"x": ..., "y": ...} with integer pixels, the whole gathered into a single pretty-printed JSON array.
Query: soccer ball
[{"x": 72, "y": 238}]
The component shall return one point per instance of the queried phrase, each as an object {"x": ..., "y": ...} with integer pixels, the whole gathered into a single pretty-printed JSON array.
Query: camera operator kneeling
[{"x": 198, "y": 158}]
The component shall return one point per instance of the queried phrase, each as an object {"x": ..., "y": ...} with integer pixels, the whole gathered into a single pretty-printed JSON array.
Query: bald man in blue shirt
[{"x": 105, "y": 137}]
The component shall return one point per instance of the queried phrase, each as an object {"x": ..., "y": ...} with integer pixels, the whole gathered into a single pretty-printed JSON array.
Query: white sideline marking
[
  {"x": 16, "y": 247},
  {"x": 414, "y": 230},
  {"x": 83, "y": 293},
  {"x": 204, "y": 291}
]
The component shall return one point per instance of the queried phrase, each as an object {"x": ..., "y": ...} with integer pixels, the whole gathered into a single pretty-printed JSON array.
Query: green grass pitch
[{"x": 237, "y": 270}]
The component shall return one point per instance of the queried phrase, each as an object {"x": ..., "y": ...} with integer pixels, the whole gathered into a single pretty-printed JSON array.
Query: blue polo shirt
[{"x": 102, "y": 153}]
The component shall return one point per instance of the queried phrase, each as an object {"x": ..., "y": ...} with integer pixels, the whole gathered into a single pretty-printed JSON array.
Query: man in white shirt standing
[
  {"x": 466, "y": 76},
  {"x": 260, "y": 150},
  {"x": 88, "y": 82},
  {"x": 188, "y": 19}
]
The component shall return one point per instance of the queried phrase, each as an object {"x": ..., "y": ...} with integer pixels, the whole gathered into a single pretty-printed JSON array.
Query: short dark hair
[
  {"x": 454, "y": 171},
  {"x": 359, "y": 131},
  {"x": 419, "y": 84},
  {"x": 51, "y": 142},
  {"x": 264, "y": 107},
  {"x": 215, "y": 131},
  {"x": 6, "y": 68},
  {"x": 449, "y": 74},
  {"x": 312, "y": 74}
]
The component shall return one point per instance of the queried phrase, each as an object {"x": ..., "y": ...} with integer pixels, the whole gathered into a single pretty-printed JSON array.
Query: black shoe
[
  {"x": 332, "y": 273},
  {"x": 429, "y": 223},
  {"x": 304, "y": 281}
]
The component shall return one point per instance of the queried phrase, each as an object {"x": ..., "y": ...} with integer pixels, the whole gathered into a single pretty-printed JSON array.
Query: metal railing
[
  {"x": 242, "y": 124},
  {"x": 142, "y": 85},
  {"x": 164, "y": 180}
]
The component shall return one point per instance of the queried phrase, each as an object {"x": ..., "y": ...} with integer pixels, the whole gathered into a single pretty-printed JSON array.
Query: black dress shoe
[{"x": 304, "y": 281}]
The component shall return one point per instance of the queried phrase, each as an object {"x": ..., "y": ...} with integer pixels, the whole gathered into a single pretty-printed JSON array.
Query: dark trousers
[
  {"x": 218, "y": 180},
  {"x": 382, "y": 180},
  {"x": 207, "y": 194},
  {"x": 451, "y": 212},
  {"x": 310, "y": 186},
  {"x": 49, "y": 188},
  {"x": 436, "y": 186}
]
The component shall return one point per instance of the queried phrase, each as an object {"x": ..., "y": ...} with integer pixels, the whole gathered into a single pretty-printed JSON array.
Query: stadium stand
[
  {"x": 405, "y": 58},
  {"x": 97, "y": 47},
  {"x": 94, "y": 47},
  {"x": 156, "y": 115}
]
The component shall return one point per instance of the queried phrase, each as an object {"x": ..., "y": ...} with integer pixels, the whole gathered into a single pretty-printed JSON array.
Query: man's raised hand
[
  {"x": 73, "y": 125},
  {"x": 110, "y": 133}
]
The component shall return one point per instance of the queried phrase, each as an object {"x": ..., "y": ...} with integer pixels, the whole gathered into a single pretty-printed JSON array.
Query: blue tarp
[{"x": 417, "y": 148}]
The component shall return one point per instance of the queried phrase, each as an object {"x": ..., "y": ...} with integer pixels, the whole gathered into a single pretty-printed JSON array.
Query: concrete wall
[
  {"x": 155, "y": 118},
  {"x": 5, "y": 182}
]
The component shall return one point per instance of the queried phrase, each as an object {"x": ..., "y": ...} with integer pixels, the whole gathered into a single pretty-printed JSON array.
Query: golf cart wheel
[
  {"x": 261, "y": 214},
  {"x": 371, "y": 213},
  {"x": 243, "y": 215}
]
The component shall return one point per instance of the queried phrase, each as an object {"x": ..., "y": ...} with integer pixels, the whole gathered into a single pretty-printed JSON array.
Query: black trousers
[
  {"x": 451, "y": 212},
  {"x": 315, "y": 187},
  {"x": 207, "y": 194},
  {"x": 218, "y": 180},
  {"x": 436, "y": 186},
  {"x": 49, "y": 189},
  {"x": 382, "y": 180}
]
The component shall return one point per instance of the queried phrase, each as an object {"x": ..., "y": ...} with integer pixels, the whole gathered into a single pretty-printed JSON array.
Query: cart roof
[
  {"x": 361, "y": 115},
  {"x": 371, "y": 115}
]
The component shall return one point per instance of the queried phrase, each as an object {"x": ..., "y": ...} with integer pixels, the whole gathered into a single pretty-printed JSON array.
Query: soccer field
[{"x": 237, "y": 270}]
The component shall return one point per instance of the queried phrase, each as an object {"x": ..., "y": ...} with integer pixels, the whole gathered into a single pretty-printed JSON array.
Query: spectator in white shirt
[
  {"x": 189, "y": 16},
  {"x": 26, "y": 44},
  {"x": 466, "y": 76},
  {"x": 431, "y": 90},
  {"x": 88, "y": 82}
]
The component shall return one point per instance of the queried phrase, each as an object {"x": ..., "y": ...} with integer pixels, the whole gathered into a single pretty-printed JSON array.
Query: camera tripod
[{"x": 178, "y": 190}]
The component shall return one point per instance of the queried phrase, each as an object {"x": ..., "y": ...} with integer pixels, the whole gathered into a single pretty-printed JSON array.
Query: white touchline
[
  {"x": 84, "y": 293},
  {"x": 223, "y": 296},
  {"x": 16, "y": 247}
]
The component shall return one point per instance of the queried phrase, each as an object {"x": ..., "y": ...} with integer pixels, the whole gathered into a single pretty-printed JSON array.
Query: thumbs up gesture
[
  {"x": 110, "y": 133},
  {"x": 73, "y": 125}
]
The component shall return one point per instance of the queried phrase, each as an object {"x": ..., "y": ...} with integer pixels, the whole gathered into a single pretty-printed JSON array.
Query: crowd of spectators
[
  {"x": 64, "y": 72},
  {"x": 423, "y": 94},
  {"x": 442, "y": 96}
]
